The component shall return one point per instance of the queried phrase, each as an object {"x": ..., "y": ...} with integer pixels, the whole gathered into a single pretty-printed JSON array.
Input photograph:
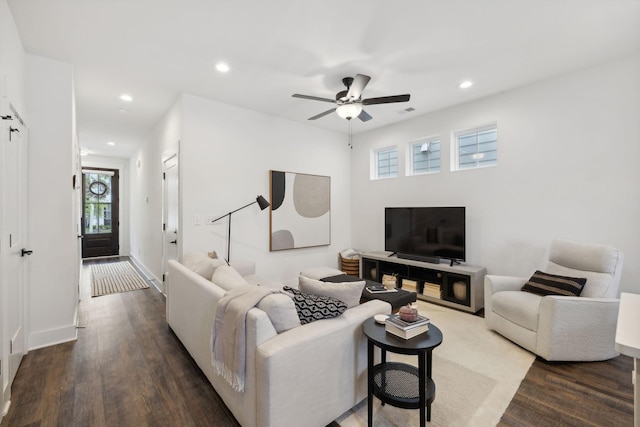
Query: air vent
[{"x": 406, "y": 110}]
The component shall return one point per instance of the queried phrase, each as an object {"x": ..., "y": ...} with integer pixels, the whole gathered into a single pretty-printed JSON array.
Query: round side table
[{"x": 400, "y": 384}]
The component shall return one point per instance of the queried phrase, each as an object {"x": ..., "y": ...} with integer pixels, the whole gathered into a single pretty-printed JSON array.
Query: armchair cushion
[
  {"x": 551, "y": 284},
  {"x": 520, "y": 308}
]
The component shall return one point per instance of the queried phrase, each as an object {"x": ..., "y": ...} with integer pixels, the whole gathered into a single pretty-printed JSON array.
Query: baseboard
[
  {"x": 52, "y": 337},
  {"x": 147, "y": 274}
]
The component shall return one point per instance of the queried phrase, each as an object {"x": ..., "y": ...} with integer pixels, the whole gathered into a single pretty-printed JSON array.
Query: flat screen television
[{"x": 426, "y": 233}]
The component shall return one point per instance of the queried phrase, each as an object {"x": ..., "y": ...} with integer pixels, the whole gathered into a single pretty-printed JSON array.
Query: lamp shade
[
  {"x": 349, "y": 111},
  {"x": 262, "y": 202}
]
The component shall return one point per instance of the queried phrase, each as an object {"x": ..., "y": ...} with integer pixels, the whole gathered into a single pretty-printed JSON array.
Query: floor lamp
[{"x": 261, "y": 201}]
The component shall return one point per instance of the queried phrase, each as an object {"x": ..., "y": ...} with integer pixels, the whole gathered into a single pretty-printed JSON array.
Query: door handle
[
  {"x": 26, "y": 252},
  {"x": 174, "y": 242}
]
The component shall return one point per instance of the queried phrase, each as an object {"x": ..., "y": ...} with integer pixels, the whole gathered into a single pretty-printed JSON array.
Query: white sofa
[
  {"x": 308, "y": 375},
  {"x": 561, "y": 328}
]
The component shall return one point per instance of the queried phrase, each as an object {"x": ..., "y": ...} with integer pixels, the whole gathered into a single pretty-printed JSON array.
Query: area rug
[
  {"x": 476, "y": 371},
  {"x": 114, "y": 277}
]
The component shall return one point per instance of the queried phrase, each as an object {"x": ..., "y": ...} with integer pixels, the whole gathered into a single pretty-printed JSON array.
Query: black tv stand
[
  {"x": 454, "y": 262},
  {"x": 460, "y": 286},
  {"x": 392, "y": 254}
]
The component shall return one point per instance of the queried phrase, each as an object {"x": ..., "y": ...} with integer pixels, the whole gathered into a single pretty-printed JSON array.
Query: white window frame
[
  {"x": 455, "y": 147},
  {"x": 375, "y": 170},
  {"x": 411, "y": 159}
]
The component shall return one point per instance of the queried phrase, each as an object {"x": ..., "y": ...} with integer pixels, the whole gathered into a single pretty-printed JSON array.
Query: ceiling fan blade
[
  {"x": 315, "y": 98},
  {"x": 364, "y": 116},
  {"x": 360, "y": 81},
  {"x": 386, "y": 99},
  {"x": 322, "y": 114}
]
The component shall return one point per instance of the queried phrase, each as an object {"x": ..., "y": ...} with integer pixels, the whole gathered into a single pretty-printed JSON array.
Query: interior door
[
  {"x": 170, "y": 213},
  {"x": 14, "y": 238},
  {"x": 100, "y": 230}
]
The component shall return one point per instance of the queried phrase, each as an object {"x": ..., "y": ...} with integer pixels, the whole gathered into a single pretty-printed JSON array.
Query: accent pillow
[
  {"x": 281, "y": 311},
  {"x": 348, "y": 292},
  {"x": 228, "y": 278},
  {"x": 201, "y": 264},
  {"x": 315, "y": 307},
  {"x": 550, "y": 284},
  {"x": 319, "y": 272}
]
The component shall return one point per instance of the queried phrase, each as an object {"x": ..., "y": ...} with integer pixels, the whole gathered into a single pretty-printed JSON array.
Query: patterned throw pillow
[
  {"x": 550, "y": 284},
  {"x": 315, "y": 307}
]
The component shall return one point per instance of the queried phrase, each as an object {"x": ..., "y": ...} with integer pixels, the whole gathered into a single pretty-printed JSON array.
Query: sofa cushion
[
  {"x": 551, "y": 284},
  {"x": 228, "y": 278},
  {"x": 315, "y": 307},
  {"x": 281, "y": 311},
  {"x": 521, "y": 308},
  {"x": 347, "y": 292},
  {"x": 201, "y": 264},
  {"x": 320, "y": 272}
]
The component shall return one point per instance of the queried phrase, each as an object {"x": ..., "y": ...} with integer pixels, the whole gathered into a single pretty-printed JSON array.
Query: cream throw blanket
[{"x": 228, "y": 340}]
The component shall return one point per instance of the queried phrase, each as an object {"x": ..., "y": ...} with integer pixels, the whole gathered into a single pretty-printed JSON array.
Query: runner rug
[
  {"x": 476, "y": 371},
  {"x": 114, "y": 277}
]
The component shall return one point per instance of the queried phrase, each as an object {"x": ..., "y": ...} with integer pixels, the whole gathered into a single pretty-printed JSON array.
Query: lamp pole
[{"x": 259, "y": 200}]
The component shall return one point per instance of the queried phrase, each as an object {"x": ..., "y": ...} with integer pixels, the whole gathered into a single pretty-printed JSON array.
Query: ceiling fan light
[{"x": 349, "y": 111}]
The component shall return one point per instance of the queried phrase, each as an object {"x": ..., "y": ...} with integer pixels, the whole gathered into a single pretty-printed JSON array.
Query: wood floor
[{"x": 128, "y": 369}]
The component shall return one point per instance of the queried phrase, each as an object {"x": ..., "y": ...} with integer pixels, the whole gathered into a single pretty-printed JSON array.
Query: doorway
[{"x": 100, "y": 207}]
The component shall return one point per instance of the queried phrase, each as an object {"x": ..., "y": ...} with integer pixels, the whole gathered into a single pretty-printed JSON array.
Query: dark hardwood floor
[{"x": 128, "y": 369}]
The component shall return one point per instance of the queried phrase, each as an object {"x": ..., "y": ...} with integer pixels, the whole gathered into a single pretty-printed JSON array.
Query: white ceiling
[{"x": 157, "y": 49}]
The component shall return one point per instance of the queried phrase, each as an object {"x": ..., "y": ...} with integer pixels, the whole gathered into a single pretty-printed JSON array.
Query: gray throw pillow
[{"x": 348, "y": 292}]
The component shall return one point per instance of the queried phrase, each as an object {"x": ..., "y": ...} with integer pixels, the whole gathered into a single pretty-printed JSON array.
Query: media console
[{"x": 458, "y": 286}]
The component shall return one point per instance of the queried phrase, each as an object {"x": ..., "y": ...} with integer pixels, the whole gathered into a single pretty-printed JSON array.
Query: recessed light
[
  {"x": 111, "y": 143},
  {"x": 222, "y": 67},
  {"x": 126, "y": 97},
  {"x": 466, "y": 84}
]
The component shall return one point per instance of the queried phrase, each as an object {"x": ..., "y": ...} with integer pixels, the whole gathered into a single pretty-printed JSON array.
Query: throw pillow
[
  {"x": 281, "y": 311},
  {"x": 315, "y": 307},
  {"x": 348, "y": 292},
  {"x": 228, "y": 278},
  {"x": 319, "y": 272},
  {"x": 201, "y": 264},
  {"x": 550, "y": 284}
]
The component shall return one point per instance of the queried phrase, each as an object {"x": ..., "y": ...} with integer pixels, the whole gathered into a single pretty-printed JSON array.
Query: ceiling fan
[{"x": 349, "y": 102}]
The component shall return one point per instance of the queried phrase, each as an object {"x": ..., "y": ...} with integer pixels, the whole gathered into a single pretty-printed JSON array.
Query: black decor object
[{"x": 261, "y": 201}]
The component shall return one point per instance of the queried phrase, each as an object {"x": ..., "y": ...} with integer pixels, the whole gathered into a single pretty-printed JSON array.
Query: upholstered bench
[{"x": 331, "y": 275}]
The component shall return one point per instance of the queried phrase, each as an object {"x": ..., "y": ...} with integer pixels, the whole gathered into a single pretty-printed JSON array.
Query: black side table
[{"x": 400, "y": 384}]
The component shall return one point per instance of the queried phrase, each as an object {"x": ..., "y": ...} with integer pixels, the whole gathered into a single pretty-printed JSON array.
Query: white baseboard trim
[
  {"x": 52, "y": 337},
  {"x": 157, "y": 283}
]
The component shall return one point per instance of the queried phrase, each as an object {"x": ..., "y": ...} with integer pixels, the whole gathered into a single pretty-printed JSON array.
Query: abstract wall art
[{"x": 300, "y": 210}]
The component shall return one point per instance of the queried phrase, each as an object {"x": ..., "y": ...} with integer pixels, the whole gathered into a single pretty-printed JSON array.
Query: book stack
[
  {"x": 409, "y": 285},
  {"x": 380, "y": 289},
  {"x": 432, "y": 290},
  {"x": 396, "y": 326}
]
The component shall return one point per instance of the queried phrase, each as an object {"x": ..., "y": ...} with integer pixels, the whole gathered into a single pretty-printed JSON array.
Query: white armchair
[{"x": 557, "y": 327}]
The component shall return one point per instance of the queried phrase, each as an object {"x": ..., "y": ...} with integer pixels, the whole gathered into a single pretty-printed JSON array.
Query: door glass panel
[{"x": 97, "y": 203}]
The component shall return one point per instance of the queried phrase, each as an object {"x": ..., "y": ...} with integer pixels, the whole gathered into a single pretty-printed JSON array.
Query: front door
[{"x": 100, "y": 213}]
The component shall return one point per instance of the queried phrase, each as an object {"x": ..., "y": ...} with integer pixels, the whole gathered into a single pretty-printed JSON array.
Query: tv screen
[{"x": 426, "y": 232}]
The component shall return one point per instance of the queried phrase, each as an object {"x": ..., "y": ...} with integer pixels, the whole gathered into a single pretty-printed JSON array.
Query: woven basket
[{"x": 350, "y": 266}]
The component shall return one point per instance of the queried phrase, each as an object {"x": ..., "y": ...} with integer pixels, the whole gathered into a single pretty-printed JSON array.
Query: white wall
[
  {"x": 146, "y": 191},
  {"x": 568, "y": 152},
  {"x": 122, "y": 165},
  {"x": 11, "y": 60},
  {"x": 226, "y": 156},
  {"x": 53, "y": 286}
]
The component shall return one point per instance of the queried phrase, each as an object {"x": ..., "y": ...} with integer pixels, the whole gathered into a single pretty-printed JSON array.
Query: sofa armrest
[
  {"x": 243, "y": 267},
  {"x": 315, "y": 372},
  {"x": 577, "y": 328}
]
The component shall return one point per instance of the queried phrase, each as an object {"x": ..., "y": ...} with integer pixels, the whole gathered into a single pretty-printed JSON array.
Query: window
[
  {"x": 386, "y": 163},
  {"x": 425, "y": 156},
  {"x": 97, "y": 202},
  {"x": 475, "y": 148}
]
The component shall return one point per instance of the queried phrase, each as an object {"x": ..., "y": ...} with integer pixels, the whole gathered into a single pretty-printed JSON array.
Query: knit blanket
[{"x": 228, "y": 340}]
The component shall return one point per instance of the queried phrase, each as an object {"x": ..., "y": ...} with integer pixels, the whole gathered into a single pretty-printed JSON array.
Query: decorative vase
[{"x": 460, "y": 291}]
